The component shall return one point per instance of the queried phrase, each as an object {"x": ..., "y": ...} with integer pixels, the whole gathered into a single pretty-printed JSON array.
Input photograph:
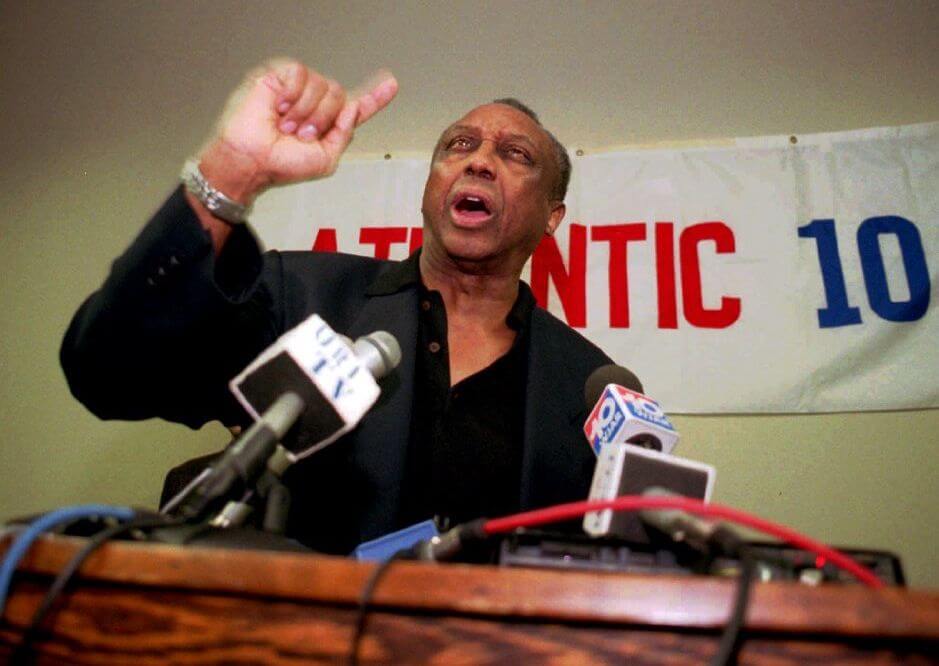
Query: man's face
[{"x": 489, "y": 197}]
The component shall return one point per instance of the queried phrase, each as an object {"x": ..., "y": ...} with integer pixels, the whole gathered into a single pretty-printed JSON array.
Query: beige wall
[{"x": 102, "y": 101}]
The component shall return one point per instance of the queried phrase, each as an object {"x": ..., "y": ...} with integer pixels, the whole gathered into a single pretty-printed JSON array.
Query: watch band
[{"x": 218, "y": 204}]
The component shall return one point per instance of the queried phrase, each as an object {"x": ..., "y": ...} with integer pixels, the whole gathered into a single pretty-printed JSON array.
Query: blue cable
[{"x": 34, "y": 530}]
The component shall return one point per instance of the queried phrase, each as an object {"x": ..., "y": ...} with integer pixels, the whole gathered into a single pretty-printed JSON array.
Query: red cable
[{"x": 636, "y": 502}]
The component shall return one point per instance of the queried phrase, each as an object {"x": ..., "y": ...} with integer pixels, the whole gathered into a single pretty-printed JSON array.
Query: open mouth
[{"x": 472, "y": 207}]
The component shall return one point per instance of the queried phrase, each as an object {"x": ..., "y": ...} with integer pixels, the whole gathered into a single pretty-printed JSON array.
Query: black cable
[
  {"x": 730, "y": 640},
  {"x": 367, "y": 592},
  {"x": 23, "y": 651}
]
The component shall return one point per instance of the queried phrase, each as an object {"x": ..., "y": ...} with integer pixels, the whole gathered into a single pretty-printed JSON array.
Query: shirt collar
[
  {"x": 396, "y": 276},
  {"x": 520, "y": 314},
  {"x": 403, "y": 274}
]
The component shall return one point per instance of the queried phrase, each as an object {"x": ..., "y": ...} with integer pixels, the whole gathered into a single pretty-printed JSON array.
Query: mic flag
[
  {"x": 625, "y": 469},
  {"x": 622, "y": 415},
  {"x": 335, "y": 383}
]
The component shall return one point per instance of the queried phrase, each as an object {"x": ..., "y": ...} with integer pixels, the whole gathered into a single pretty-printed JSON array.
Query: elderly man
[{"x": 483, "y": 415}]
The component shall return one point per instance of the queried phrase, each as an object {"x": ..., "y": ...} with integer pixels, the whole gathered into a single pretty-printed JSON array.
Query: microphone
[
  {"x": 621, "y": 413},
  {"x": 705, "y": 536},
  {"x": 609, "y": 374},
  {"x": 336, "y": 381},
  {"x": 241, "y": 463},
  {"x": 633, "y": 440},
  {"x": 311, "y": 385}
]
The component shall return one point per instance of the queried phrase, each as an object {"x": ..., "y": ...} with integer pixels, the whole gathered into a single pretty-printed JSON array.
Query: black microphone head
[{"x": 608, "y": 374}]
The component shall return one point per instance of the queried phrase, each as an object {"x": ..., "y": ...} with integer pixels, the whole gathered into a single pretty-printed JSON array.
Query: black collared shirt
[{"x": 465, "y": 447}]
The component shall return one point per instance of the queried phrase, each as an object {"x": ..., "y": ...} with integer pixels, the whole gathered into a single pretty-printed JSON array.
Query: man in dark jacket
[{"x": 483, "y": 415}]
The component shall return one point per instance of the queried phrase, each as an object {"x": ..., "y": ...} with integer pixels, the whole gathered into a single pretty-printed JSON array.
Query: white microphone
[
  {"x": 633, "y": 440},
  {"x": 335, "y": 380}
]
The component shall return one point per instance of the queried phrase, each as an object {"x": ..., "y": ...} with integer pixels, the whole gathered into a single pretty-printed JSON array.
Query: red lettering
[
  {"x": 383, "y": 238},
  {"x": 618, "y": 235},
  {"x": 570, "y": 284},
  {"x": 417, "y": 239},
  {"x": 692, "y": 300},
  {"x": 325, "y": 240},
  {"x": 665, "y": 274}
]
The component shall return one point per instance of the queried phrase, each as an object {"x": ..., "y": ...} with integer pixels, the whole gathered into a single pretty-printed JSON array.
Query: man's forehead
[{"x": 501, "y": 118}]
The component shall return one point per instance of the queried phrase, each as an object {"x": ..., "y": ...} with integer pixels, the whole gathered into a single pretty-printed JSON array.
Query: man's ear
[{"x": 555, "y": 218}]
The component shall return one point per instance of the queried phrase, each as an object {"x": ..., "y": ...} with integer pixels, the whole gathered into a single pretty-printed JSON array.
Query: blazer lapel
[
  {"x": 381, "y": 439},
  {"x": 553, "y": 411}
]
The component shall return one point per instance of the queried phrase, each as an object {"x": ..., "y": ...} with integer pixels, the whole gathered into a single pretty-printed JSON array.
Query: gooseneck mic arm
[{"x": 241, "y": 463}]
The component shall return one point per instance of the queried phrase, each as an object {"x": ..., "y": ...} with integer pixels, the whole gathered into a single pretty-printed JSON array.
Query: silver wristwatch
[{"x": 218, "y": 204}]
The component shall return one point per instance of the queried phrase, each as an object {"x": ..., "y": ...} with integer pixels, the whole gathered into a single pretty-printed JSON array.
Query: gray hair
[{"x": 561, "y": 158}]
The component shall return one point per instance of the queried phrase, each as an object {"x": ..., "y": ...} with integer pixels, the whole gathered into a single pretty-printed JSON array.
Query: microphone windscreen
[
  {"x": 380, "y": 352},
  {"x": 608, "y": 374}
]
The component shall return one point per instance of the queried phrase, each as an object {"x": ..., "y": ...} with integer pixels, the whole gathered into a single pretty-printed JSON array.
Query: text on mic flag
[
  {"x": 621, "y": 414},
  {"x": 314, "y": 361}
]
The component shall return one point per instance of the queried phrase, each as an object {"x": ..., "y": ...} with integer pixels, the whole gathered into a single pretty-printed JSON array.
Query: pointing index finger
[{"x": 378, "y": 93}]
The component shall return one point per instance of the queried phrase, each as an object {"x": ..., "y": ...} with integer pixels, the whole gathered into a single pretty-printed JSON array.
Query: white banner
[{"x": 776, "y": 274}]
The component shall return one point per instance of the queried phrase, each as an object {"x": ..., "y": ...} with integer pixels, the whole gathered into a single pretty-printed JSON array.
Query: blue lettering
[
  {"x": 875, "y": 276},
  {"x": 837, "y": 312}
]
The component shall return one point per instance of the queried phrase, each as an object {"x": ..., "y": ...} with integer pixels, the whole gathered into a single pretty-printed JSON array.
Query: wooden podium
[{"x": 144, "y": 604}]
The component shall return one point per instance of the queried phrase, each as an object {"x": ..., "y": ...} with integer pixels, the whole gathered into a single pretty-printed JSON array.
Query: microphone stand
[{"x": 253, "y": 462}]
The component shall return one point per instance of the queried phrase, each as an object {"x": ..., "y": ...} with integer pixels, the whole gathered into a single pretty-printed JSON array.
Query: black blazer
[{"x": 171, "y": 325}]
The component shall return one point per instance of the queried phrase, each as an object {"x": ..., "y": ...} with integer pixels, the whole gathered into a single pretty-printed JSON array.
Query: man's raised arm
[
  {"x": 192, "y": 300},
  {"x": 286, "y": 123}
]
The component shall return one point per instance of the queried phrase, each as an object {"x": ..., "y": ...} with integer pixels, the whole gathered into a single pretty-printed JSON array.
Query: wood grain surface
[{"x": 146, "y": 604}]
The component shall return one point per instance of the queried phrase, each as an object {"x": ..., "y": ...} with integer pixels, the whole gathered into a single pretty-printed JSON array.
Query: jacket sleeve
[{"x": 172, "y": 323}]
